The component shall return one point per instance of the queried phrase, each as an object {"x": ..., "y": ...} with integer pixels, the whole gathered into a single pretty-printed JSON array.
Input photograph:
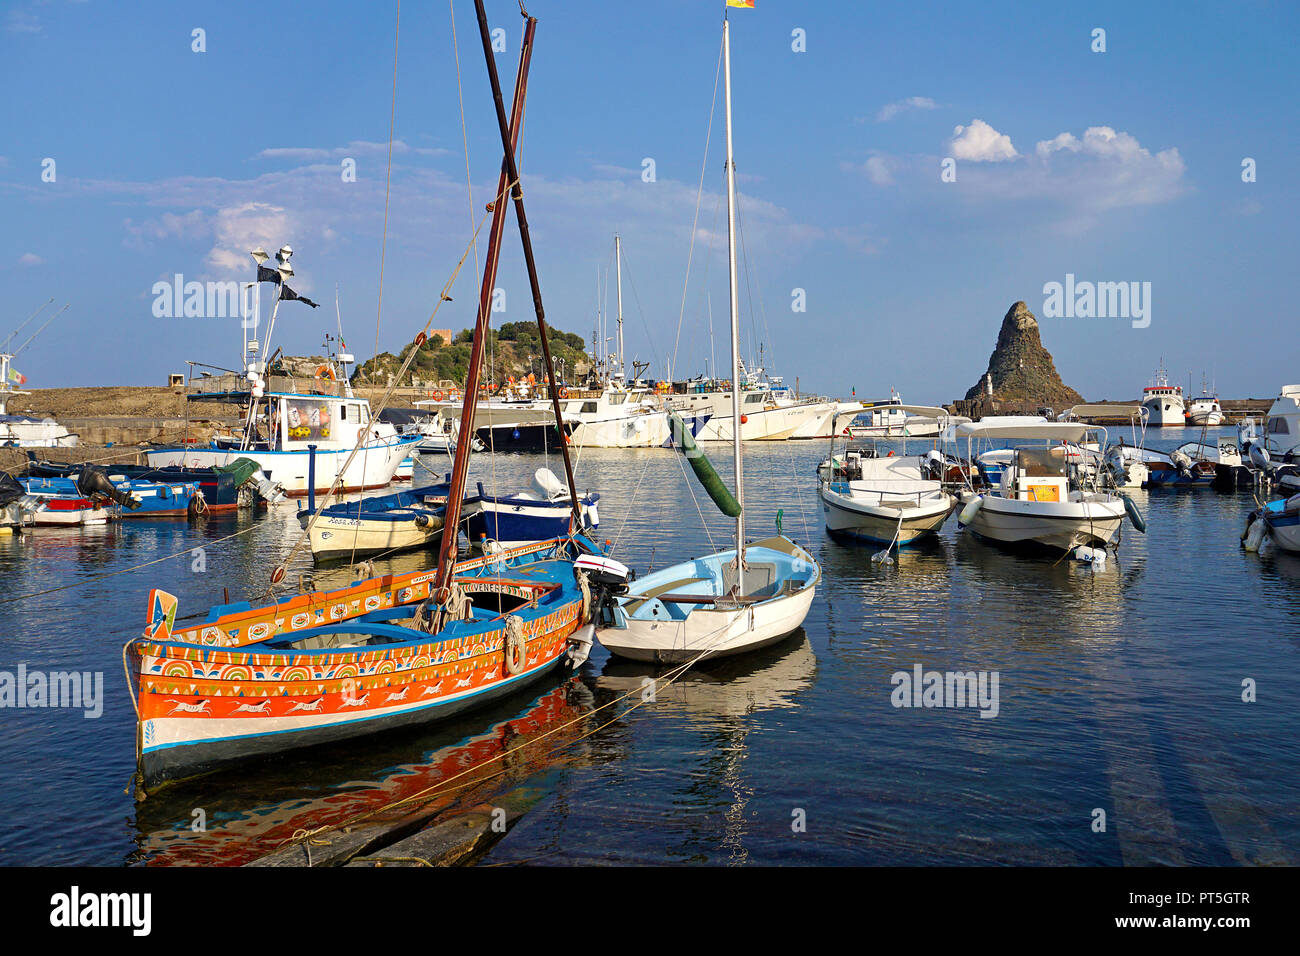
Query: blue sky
[{"x": 1115, "y": 166}]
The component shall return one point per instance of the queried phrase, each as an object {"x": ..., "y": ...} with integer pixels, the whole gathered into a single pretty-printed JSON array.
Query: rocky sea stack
[{"x": 1022, "y": 372}]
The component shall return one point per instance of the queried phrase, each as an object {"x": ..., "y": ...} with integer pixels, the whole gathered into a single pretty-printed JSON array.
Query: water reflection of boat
[
  {"x": 254, "y": 813},
  {"x": 763, "y": 680}
]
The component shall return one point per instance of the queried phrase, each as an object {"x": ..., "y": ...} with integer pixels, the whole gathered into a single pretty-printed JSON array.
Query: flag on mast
[
  {"x": 743, "y": 4},
  {"x": 17, "y": 376}
]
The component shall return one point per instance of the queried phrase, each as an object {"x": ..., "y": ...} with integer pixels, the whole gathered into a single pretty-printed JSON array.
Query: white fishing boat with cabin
[
  {"x": 303, "y": 441},
  {"x": 1164, "y": 402}
]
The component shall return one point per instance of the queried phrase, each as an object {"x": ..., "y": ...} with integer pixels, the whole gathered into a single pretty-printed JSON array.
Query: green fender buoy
[{"x": 703, "y": 468}]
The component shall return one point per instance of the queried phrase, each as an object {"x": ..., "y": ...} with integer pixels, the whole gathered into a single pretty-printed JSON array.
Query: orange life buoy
[
  {"x": 564, "y": 393},
  {"x": 437, "y": 395},
  {"x": 325, "y": 371},
  {"x": 453, "y": 396},
  {"x": 492, "y": 386}
]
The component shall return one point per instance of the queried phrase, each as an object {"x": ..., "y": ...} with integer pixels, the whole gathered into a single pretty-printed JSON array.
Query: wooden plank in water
[{"x": 447, "y": 842}]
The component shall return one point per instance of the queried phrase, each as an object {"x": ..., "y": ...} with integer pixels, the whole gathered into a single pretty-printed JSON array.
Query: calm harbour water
[{"x": 1119, "y": 690}]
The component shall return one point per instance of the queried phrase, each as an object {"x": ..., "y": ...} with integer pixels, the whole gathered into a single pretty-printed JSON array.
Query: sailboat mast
[
  {"x": 737, "y": 456},
  {"x": 618, "y": 271},
  {"x": 482, "y": 323},
  {"x": 521, "y": 218}
]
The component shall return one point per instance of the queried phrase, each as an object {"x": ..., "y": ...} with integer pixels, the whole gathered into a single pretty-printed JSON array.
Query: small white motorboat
[
  {"x": 887, "y": 499},
  {"x": 1045, "y": 497}
]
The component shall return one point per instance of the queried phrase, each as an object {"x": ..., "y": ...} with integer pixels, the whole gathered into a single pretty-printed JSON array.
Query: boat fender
[
  {"x": 1266, "y": 546},
  {"x": 516, "y": 646},
  {"x": 1255, "y": 533},
  {"x": 1093, "y": 556},
  {"x": 968, "y": 513},
  {"x": 703, "y": 468},
  {"x": 1134, "y": 515}
]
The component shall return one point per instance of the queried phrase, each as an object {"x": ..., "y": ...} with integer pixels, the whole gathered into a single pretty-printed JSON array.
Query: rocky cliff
[{"x": 1022, "y": 371}]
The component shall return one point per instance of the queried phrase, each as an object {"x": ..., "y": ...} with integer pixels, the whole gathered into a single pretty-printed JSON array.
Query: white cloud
[
  {"x": 890, "y": 110},
  {"x": 191, "y": 225},
  {"x": 877, "y": 170},
  {"x": 237, "y": 229},
  {"x": 981, "y": 143},
  {"x": 358, "y": 147},
  {"x": 30, "y": 259},
  {"x": 20, "y": 21},
  {"x": 1103, "y": 169}
]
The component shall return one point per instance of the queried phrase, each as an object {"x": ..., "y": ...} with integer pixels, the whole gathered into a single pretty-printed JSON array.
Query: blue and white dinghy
[
  {"x": 738, "y": 600},
  {"x": 402, "y": 521},
  {"x": 543, "y": 513}
]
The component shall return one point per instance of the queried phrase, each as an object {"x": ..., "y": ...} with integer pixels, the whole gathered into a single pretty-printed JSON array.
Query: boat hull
[
  {"x": 880, "y": 522},
  {"x": 373, "y": 467},
  {"x": 1058, "y": 526},
  {"x": 766, "y": 424},
  {"x": 514, "y": 522},
  {"x": 523, "y": 436},
  {"x": 647, "y": 629},
  {"x": 217, "y": 693}
]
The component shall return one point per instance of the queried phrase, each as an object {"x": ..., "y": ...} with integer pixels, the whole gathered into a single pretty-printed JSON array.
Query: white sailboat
[{"x": 738, "y": 600}]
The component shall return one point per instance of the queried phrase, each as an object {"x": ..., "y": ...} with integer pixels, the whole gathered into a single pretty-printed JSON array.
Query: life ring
[
  {"x": 325, "y": 371},
  {"x": 564, "y": 393},
  {"x": 516, "y": 646},
  {"x": 492, "y": 386},
  {"x": 437, "y": 395}
]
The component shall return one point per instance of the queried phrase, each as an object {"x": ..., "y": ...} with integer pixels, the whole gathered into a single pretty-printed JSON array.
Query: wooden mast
[
  {"x": 507, "y": 142},
  {"x": 460, "y": 467},
  {"x": 737, "y": 455}
]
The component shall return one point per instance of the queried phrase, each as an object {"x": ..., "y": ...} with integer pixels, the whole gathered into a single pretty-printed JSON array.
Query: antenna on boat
[
  {"x": 4, "y": 345},
  {"x": 18, "y": 351},
  {"x": 618, "y": 271}
]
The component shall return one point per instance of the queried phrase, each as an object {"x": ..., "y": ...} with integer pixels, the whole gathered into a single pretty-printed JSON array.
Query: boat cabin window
[
  {"x": 618, "y": 398},
  {"x": 753, "y": 399},
  {"x": 589, "y": 408},
  {"x": 307, "y": 420},
  {"x": 1042, "y": 462},
  {"x": 1277, "y": 426}
]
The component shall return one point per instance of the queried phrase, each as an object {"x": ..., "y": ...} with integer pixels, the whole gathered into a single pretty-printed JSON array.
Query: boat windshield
[{"x": 1042, "y": 462}]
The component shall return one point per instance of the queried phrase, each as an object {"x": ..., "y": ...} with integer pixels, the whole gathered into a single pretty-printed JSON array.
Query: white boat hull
[
  {"x": 646, "y": 430},
  {"x": 901, "y": 519},
  {"x": 333, "y": 537},
  {"x": 373, "y": 467},
  {"x": 767, "y": 424},
  {"x": 1061, "y": 526},
  {"x": 710, "y": 633}
]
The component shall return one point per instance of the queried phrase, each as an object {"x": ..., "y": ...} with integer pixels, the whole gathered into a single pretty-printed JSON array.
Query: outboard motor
[
  {"x": 609, "y": 580},
  {"x": 1260, "y": 459},
  {"x": 93, "y": 483},
  {"x": 935, "y": 465},
  {"x": 1117, "y": 467},
  {"x": 1183, "y": 463}
]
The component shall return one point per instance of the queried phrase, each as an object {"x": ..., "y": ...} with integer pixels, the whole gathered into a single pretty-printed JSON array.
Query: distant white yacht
[{"x": 1164, "y": 402}]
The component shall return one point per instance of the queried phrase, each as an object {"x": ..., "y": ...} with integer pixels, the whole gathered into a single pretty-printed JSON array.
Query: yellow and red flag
[{"x": 743, "y": 4}]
